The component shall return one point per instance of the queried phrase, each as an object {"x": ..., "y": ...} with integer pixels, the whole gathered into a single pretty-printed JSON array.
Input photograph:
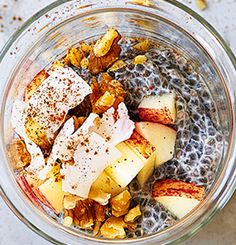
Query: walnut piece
[
  {"x": 104, "y": 44},
  {"x": 133, "y": 214},
  {"x": 139, "y": 59},
  {"x": 120, "y": 203},
  {"x": 113, "y": 228},
  {"x": 68, "y": 217},
  {"x": 19, "y": 155},
  {"x": 117, "y": 65},
  {"x": 87, "y": 212},
  {"x": 142, "y": 46},
  {"x": 70, "y": 201},
  {"x": 74, "y": 57},
  {"x": 99, "y": 64}
]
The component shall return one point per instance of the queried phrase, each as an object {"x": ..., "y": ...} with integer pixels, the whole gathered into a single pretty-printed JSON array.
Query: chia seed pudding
[{"x": 143, "y": 68}]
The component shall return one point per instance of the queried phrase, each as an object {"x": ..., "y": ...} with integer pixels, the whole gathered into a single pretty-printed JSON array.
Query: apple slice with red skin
[
  {"x": 177, "y": 196},
  {"x": 160, "y": 136},
  {"x": 158, "y": 108},
  {"x": 26, "y": 188}
]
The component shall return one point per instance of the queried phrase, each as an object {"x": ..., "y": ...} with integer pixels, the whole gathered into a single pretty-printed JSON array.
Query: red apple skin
[
  {"x": 156, "y": 115},
  {"x": 33, "y": 193},
  {"x": 179, "y": 188},
  {"x": 25, "y": 187}
]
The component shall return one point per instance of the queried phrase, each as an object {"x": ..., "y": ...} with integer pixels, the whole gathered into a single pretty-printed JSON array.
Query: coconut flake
[
  {"x": 63, "y": 90},
  {"x": 37, "y": 164},
  {"x": 67, "y": 140},
  {"x": 119, "y": 130},
  {"x": 91, "y": 157}
]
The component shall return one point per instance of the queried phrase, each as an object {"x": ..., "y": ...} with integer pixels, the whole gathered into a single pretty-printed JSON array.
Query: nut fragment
[
  {"x": 68, "y": 217},
  {"x": 70, "y": 201},
  {"x": 113, "y": 228},
  {"x": 142, "y": 46},
  {"x": 34, "y": 84},
  {"x": 57, "y": 64},
  {"x": 84, "y": 63},
  {"x": 140, "y": 59},
  {"x": 104, "y": 102},
  {"x": 74, "y": 57},
  {"x": 114, "y": 87},
  {"x": 133, "y": 214},
  {"x": 98, "y": 64},
  {"x": 36, "y": 133},
  {"x": 120, "y": 203},
  {"x": 99, "y": 196},
  {"x": 86, "y": 48},
  {"x": 87, "y": 212},
  {"x": 19, "y": 154},
  {"x": 83, "y": 214},
  {"x": 117, "y": 65},
  {"x": 201, "y": 4},
  {"x": 143, "y": 2},
  {"x": 78, "y": 121},
  {"x": 103, "y": 45}
]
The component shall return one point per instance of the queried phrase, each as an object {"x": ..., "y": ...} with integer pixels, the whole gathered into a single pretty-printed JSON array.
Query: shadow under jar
[{"x": 177, "y": 30}]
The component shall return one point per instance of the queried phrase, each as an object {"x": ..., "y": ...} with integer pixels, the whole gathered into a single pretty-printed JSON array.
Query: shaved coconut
[
  {"x": 37, "y": 164},
  {"x": 67, "y": 140},
  {"x": 119, "y": 130},
  {"x": 63, "y": 90},
  {"x": 91, "y": 157}
]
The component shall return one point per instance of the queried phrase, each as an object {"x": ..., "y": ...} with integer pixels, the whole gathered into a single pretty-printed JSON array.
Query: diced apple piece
[
  {"x": 145, "y": 151},
  {"x": 52, "y": 191},
  {"x": 158, "y": 108},
  {"x": 35, "y": 83},
  {"x": 27, "y": 189},
  {"x": 179, "y": 206},
  {"x": 124, "y": 169},
  {"x": 161, "y": 136},
  {"x": 99, "y": 196},
  {"x": 177, "y": 196},
  {"x": 106, "y": 184}
]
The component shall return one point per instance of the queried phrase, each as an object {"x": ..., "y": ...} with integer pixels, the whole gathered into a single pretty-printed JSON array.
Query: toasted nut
[
  {"x": 99, "y": 196},
  {"x": 83, "y": 214},
  {"x": 19, "y": 155},
  {"x": 78, "y": 121},
  {"x": 98, "y": 64},
  {"x": 84, "y": 63},
  {"x": 100, "y": 212},
  {"x": 86, "y": 48},
  {"x": 68, "y": 217},
  {"x": 201, "y": 4},
  {"x": 114, "y": 87},
  {"x": 96, "y": 228},
  {"x": 103, "y": 45},
  {"x": 133, "y": 214},
  {"x": 70, "y": 201},
  {"x": 120, "y": 203},
  {"x": 74, "y": 57},
  {"x": 140, "y": 59},
  {"x": 131, "y": 226},
  {"x": 96, "y": 93},
  {"x": 142, "y": 46},
  {"x": 57, "y": 64},
  {"x": 36, "y": 133},
  {"x": 104, "y": 102},
  {"x": 34, "y": 84},
  {"x": 113, "y": 228},
  {"x": 117, "y": 65}
]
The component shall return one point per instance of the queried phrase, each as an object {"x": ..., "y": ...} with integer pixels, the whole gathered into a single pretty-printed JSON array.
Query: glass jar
[{"x": 46, "y": 37}]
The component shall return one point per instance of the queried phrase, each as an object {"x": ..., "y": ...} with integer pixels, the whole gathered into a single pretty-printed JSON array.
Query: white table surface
[{"x": 222, "y": 15}]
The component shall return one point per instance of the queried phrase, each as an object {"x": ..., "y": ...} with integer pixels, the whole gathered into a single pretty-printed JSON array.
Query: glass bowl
[{"x": 47, "y": 35}]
